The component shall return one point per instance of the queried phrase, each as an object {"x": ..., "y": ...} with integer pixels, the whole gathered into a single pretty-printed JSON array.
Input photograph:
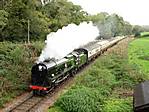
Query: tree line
[{"x": 17, "y": 15}]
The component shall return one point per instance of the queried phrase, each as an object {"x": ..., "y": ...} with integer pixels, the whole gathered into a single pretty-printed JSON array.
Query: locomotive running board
[
  {"x": 141, "y": 97},
  {"x": 58, "y": 81}
]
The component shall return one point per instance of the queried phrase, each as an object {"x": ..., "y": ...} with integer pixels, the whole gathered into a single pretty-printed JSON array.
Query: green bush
[
  {"x": 37, "y": 47},
  {"x": 118, "y": 105},
  {"x": 81, "y": 99}
]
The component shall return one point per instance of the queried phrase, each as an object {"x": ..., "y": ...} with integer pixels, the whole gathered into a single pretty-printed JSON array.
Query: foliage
[
  {"x": 98, "y": 18},
  {"x": 137, "y": 29},
  {"x": 62, "y": 13},
  {"x": 20, "y": 12},
  {"x": 112, "y": 25},
  {"x": 96, "y": 77},
  {"x": 56, "y": 109},
  {"x": 117, "y": 105},
  {"x": 3, "y": 19},
  {"x": 80, "y": 99},
  {"x": 4, "y": 3},
  {"x": 39, "y": 26},
  {"x": 140, "y": 31},
  {"x": 42, "y": 19},
  {"x": 16, "y": 61}
]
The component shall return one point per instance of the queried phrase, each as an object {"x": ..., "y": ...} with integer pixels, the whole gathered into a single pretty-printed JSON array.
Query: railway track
[
  {"x": 26, "y": 105},
  {"x": 32, "y": 103}
]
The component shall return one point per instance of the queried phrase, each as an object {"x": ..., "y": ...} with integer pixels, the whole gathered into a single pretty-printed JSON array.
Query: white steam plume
[{"x": 68, "y": 38}]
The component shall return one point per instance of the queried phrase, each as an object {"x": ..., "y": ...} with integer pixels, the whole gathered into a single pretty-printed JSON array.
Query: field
[
  {"x": 139, "y": 54},
  {"x": 106, "y": 86},
  {"x": 16, "y": 60}
]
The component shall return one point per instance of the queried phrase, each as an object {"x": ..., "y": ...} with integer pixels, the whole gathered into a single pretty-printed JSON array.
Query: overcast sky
[{"x": 133, "y": 11}]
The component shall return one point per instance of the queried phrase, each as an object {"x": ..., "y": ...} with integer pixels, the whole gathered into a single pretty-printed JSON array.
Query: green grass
[
  {"x": 16, "y": 62},
  {"x": 139, "y": 54},
  {"x": 117, "y": 105},
  {"x": 56, "y": 109}
]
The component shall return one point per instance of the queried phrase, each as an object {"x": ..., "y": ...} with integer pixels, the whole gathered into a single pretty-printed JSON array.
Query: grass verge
[{"x": 139, "y": 54}]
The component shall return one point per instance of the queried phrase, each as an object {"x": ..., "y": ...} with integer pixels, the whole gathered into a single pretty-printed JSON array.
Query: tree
[
  {"x": 42, "y": 18},
  {"x": 17, "y": 20},
  {"x": 127, "y": 28},
  {"x": 4, "y": 4},
  {"x": 20, "y": 11},
  {"x": 3, "y": 21},
  {"x": 62, "y": 13},
  {"x": 39, "y": 26},
  {"x": 99, "y": 18},
  {"x": 137, "y": 29},
  {"x": 112, "y": 25}
]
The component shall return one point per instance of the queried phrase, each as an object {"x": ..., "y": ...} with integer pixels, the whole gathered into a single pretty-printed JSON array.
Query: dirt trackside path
[{"x": 121, "y": 48}]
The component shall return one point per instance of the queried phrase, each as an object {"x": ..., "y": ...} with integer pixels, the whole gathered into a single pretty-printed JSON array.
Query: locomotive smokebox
[{"x": 141, "y": 97}]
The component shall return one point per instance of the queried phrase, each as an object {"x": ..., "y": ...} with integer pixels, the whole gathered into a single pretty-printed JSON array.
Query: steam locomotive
[{"x": 45, "y": 75}]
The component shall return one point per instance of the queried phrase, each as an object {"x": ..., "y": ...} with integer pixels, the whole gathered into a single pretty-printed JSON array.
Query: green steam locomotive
[{"x": 45, "y": 75}]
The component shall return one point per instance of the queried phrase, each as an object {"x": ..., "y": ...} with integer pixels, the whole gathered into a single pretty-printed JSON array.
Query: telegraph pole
[
  {"x": 3, "y": 4},
  {"x": 28, "y": 37}
]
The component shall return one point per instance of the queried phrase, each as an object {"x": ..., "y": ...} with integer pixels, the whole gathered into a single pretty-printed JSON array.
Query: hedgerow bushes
[
  {"x": 16, "y": 61},
  {"x": 94, "y": 90},
  {"x": 81, "y": 99}
]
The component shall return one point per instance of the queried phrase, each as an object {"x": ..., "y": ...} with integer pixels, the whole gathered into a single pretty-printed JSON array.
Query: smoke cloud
[{"x": 65, "y": 40}]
